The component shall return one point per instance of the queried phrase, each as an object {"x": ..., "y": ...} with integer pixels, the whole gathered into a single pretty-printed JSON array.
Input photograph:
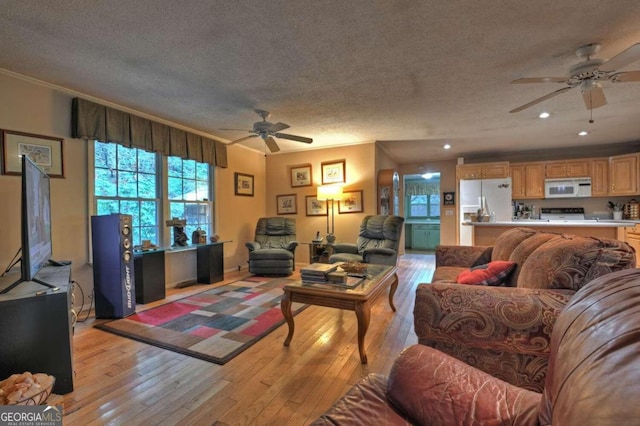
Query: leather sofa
[
  {"x": 273, "y": 251},
  {"x": 506, "y": 330},
  {"x": 593, "y": 378},
  {"x": 377, "y": 242}
]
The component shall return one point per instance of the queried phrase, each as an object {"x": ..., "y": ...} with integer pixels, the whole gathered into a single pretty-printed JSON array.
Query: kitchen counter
[
  {"x": 485, "y": 233},
  {"x": 559, "y": 223}
]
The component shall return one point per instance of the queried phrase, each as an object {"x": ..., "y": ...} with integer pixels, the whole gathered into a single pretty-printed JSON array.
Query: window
[
  {"x": 126, "y": 182},
  {"x": 422, "y": 196},
  {"x": 189, "y": 193},
  {"x": 424, "y": 206}
]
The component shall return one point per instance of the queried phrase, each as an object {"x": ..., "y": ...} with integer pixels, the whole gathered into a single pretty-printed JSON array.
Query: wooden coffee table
[{"x": 358, "y": 299}]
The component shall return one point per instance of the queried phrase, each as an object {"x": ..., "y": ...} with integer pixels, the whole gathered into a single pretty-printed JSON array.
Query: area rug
[{"x": 215, "y": 325}]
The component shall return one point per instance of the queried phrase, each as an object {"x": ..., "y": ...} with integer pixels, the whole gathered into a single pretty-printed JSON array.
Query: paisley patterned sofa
[{"x": 506, "y": 331}]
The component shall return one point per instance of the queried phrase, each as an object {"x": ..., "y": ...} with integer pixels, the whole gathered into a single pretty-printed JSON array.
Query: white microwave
[{"x": 567, "y": 188}]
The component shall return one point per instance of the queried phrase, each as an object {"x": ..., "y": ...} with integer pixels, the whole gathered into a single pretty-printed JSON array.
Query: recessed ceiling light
[
  {"x": 583, "y": 133},
  {"x": 447, "y": 146},
  {"x": 544, "y": 115}
]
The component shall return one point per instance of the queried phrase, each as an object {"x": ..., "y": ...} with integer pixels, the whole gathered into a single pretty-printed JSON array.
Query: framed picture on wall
[
  {"x": 243, "y": 184},
  {"x": 351, "y": 202},
  {"x": 316, "y": 207},
  {"x": 45, "y": 151},
  {"x": 286, "y": 204},
  {"x": 301, "y": 175},
  {"x": 333, "y": 172}
]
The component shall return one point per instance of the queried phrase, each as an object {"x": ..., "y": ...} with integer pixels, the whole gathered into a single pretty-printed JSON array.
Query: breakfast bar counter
[{"x": 485, "y": 233}]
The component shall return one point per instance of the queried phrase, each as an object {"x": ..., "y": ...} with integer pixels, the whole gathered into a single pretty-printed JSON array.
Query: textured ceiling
[{"x": 412, "y": 74}]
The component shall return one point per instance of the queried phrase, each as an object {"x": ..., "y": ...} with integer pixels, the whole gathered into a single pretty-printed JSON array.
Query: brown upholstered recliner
[{"x": 593, "y": 376}]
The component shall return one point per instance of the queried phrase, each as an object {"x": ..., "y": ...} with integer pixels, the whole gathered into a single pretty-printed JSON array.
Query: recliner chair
[
  {"x": 377, "y": 242},
  {"x": 273, "y": 251}
]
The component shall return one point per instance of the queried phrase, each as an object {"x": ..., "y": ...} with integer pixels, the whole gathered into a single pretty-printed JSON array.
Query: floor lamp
[{"x": 330, "y": 193}]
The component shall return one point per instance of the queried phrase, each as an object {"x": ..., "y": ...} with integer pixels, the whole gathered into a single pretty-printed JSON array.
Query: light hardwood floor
[{"x": 121, "y": 381}]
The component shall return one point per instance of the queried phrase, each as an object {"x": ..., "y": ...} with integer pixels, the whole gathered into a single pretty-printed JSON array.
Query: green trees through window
[
  {"x": 188, "y": 193},
  {"x": 127, "y": 180}
]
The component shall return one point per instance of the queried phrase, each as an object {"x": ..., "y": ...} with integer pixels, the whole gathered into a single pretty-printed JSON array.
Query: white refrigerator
[{"x": 497, "y": 195}]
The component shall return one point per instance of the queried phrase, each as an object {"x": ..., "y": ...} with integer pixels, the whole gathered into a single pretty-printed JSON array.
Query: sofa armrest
[
  {"x": 344, "y": 248},
  {"x": 431, "y": 387},
  {"x": 516, "y": 320},
  {"x": 292, "y": 246},
  {"x": 463, "y": 256},
  {"x": 253, "y": 245}
]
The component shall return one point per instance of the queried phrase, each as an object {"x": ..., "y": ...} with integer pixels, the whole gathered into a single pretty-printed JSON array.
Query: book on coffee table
[{"x": 321, "y": 269}]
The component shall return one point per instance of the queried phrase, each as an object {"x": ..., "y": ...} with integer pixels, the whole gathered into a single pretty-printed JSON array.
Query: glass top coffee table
[{"x": 358, "y": 298}]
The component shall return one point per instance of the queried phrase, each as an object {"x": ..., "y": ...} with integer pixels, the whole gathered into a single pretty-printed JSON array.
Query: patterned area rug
[{"x": 215, "y": 325}]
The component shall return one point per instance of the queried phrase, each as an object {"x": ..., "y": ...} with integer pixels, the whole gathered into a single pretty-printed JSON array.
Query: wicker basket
[
  {"x": 353, "y": 267},
  {"x": 632, "y": 210}
]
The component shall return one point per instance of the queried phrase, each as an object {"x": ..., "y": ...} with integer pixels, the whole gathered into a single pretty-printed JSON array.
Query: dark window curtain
[
  {"x": 117, "y": 127},
  {"x": 88, "y": 120},
  {"x": 178, "y": 145},
  {"x": 94, "y": 121},
  {"x": 161, "y": 138},
  {"x": 194, "y": 147},
  {"x": 141, "y": 133}
]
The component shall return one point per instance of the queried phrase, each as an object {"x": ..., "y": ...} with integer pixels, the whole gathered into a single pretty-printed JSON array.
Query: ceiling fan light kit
[
  {"x": 588, "y": 75},
  {"x": 267, "y": 131}
]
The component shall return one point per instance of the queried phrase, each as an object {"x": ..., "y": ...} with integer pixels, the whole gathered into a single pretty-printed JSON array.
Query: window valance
[
  {"x": 421, "y": 188},
  {"x": 90, "y": 120}
]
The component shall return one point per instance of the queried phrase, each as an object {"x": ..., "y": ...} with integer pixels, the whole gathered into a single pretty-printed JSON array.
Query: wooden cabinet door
[
  {"x": 495, "y": 170},
  {"x": 469, "y": 171},
  {"x": 599, "y": 172},
  {"x": 623, "y": 174},
  {"x": 517, "y": 181},
  {"x": 566, "y": 168},
  {"x": 577, "y": 168},
  {"x": 555, "y": 169},
  {"x": 534, "y": 180},
  {"x": 632, "y": 237}
]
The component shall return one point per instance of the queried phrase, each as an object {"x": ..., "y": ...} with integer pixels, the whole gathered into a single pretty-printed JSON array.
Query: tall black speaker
[{"x": 113, "y": 273}]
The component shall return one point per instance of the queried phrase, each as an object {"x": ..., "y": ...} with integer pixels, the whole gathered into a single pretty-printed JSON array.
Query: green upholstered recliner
[
  {"x": 377, "y": 242},
  {"x": 273, "y": 251}
]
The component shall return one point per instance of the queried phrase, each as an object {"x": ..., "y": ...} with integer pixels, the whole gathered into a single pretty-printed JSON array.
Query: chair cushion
[
  {"x": 493, "y": 273},
  {"x": 271, "y": 254}
]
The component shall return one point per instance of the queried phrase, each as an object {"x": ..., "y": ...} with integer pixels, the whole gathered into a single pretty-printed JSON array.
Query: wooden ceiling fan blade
[
  {"x": 625, "y": 77},
  {"x": 594, "y": 98},
  {"x": 239, "y": 130},
  {"x": 278, "y": 127},
  {"x": 271, "y": 144},
  {"x": 527, "y": 80},
  {"x": 543, "y": 98},
  {"x": 242, "y": 139},
  {"x": 293, "y": 137},
  {"x": 622, "y": 59}
]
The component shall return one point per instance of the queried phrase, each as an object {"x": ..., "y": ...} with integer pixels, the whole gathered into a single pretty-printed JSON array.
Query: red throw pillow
[{"x": 493, "y": 273}]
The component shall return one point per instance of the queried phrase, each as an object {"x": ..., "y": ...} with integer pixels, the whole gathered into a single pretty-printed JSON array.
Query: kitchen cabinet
[
  {"x": 425, "y": 237},
  {"x": 599, "y": 172},
  {"x": 623, "y": 174},
  {"x": 632, "y": 237},
  {"x": 496, "y": 170},
  {"x": 567, "y": 168},
  {"x": 527, "y": 180}
]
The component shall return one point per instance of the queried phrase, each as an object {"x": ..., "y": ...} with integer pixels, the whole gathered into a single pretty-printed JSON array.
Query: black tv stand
[{"x": 36, "y": 328}]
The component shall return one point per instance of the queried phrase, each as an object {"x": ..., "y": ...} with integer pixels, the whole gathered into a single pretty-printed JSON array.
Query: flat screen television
[{"x": 35, "y": 223}]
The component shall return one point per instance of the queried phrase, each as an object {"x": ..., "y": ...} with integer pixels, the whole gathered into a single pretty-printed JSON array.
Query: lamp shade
[{"x": 329, "y": 192}]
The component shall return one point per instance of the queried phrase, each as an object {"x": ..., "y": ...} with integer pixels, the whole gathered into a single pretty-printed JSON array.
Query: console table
[{"x": 36, "y": 327}]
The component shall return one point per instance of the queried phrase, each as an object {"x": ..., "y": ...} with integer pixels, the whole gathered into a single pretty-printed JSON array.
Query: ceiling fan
[
  {"x": 267, "y": 131},
  {"x": 588, "y": 75}
]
